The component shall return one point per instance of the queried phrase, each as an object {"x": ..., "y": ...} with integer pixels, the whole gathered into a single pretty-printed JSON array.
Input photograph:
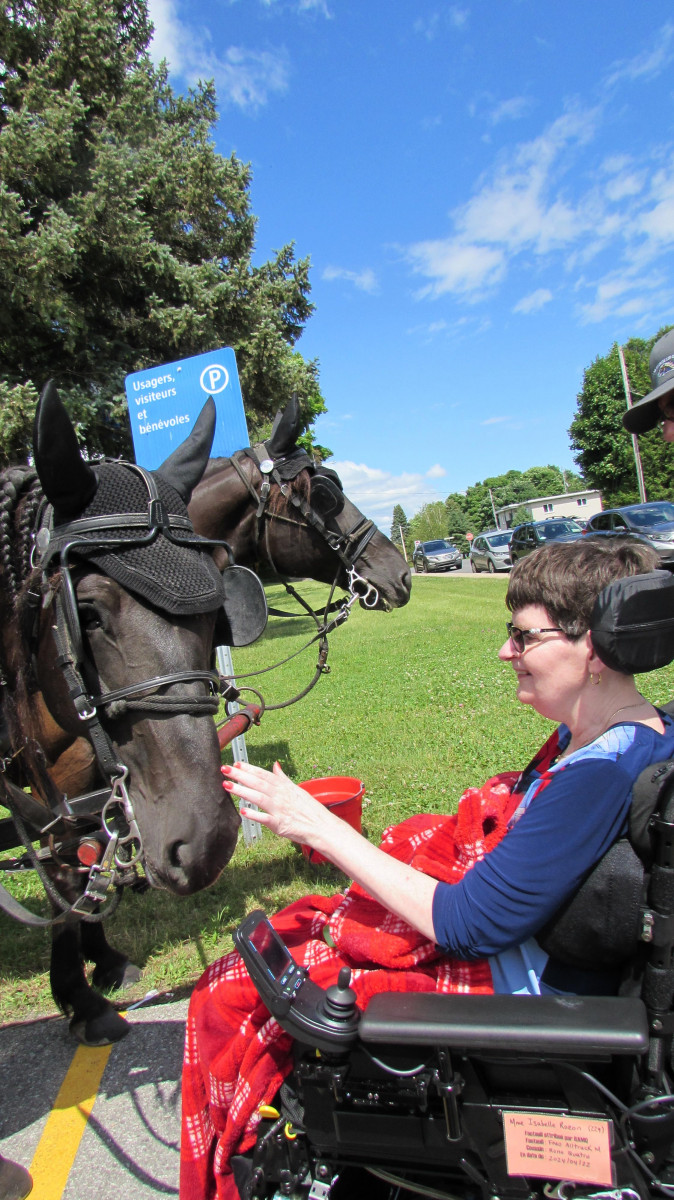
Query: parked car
[
  {"x": 438, "y": 555},
  {"x": 533, "y": 534},
  {"x": 653, "y": 521},
  {"x": 490, "y": 551}
]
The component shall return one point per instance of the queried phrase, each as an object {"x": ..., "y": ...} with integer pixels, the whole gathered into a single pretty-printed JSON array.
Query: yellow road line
[{"x": 67, "y": 1122}]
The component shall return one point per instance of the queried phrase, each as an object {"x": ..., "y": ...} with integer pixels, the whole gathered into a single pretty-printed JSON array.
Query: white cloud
[
  {"x": 647, "y": 64},
  {"x": 436, "y": 472},
  {"x": 534, "y": 301},
  {"x": 514, "y": 210},
  {"x": 375, "y": 492},
  {"x": 494, "y": 420},
  {"x": 243, "y": 77},
  {"x": 658, "y": 222},
  {"x": 457, "y": 266},
  {"x": 625, "y": 294},
  {"x": 301, "y": 6},
  {"x": 365, "y": 280},
  {"x": 510, "y": 110},
  {"x": 433, "y": 23},
  {"x": 628, "y": 183},
  {"x": 544, "y": 204},
  {"x": 458, "y": 16}
]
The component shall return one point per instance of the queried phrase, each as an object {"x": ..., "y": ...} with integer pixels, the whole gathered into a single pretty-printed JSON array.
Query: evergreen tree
[
  {"x": 125, "y": 239},
  {"x": 399, "y": 525},
  {"x": 400, "y": 532}
]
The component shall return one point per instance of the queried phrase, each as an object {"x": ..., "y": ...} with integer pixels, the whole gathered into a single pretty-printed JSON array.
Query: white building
[{"x": 569, "y": 504}]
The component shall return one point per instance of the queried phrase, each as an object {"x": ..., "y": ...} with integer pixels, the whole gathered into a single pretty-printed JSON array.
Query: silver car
[
  {"x": 652, "y": 522},
  {"x": 438, "y": 555},
  {"x": 491, "y": 551}
]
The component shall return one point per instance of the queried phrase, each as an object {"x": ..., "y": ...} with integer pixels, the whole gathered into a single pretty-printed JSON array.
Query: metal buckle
[
  {"x": 101, "y": 878},
  {"x": 131, "y": 841}
]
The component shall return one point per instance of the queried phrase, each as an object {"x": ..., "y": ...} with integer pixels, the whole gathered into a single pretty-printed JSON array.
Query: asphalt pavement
[{"x": 128, "y": 1149}]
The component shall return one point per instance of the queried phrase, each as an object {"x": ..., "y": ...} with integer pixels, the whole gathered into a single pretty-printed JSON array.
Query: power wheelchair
[{"x": 496, "y": 1097}]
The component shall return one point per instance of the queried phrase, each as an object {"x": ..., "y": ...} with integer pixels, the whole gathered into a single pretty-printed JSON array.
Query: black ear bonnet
[
  {"x": 327, "y": 494},
  {"x": 632, "y": 624},
  {"x": 176, "y": 578},
  {"x": 171, "y": 572}
]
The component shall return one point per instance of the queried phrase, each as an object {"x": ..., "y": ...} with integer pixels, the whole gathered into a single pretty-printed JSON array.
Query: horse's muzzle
[{"x": 194, "y": 864}]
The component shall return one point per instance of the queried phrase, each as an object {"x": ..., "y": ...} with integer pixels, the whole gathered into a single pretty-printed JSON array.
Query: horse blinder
[
  {"x": 243, "y": 616},
  {"x": 327, "y": 496}
]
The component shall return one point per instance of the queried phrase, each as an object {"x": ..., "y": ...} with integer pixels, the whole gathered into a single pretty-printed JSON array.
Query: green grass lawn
[{"x": 417, "y": 705}]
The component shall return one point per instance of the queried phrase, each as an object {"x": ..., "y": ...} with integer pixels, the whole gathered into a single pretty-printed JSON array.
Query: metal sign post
[
  {"x": 252, "y": 832},
  {"x": 164, "y": 402}
]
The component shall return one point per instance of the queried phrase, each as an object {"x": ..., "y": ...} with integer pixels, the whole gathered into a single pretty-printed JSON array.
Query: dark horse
[
  {"x": 108, "y": 602},
  {"x": 280, "y": 512}
]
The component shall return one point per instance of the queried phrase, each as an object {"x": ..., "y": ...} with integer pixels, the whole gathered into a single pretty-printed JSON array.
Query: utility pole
[
  {"x": 402, "y": 541},
  {"x": 635, "y": 440},
  {"x": 492, "y": 508}
]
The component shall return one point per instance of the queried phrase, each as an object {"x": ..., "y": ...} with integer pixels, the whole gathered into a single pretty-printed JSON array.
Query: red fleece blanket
[{"x": 236, "y": 1054}]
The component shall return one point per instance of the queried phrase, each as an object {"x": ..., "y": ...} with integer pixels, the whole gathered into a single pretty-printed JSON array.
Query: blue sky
[{"x": 486, "y": 192}]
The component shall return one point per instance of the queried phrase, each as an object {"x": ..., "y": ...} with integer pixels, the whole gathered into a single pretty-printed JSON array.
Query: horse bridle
[
  {"x": 347, "y": 545},
  {"x": 124, "y": 848}
]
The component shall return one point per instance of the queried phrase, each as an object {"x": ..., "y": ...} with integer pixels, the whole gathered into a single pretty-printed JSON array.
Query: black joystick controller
[
  {"x": 339, "y": 1012},
  {"x": 340, "y": 999}
]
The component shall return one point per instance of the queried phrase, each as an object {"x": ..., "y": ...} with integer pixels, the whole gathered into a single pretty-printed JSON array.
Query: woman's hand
[
  {"x": 287, "y": 809},
  {"x": 292, "y": 813}
]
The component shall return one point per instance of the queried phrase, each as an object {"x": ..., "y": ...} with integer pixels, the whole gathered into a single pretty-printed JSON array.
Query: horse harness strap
[{"x": 348, "y": 546}]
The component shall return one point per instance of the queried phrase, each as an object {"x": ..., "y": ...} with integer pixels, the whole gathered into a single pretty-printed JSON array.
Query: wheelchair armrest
[{"x": 592, "y": 1026}]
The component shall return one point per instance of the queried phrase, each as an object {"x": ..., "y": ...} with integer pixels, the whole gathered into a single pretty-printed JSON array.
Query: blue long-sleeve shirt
[{"x": 570, "y": 813}]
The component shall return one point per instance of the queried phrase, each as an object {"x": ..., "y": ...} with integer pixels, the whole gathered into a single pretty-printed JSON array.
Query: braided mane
[{"x": 20, "y": 499}]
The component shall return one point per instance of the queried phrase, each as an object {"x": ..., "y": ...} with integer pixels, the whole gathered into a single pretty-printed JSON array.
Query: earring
[{"x": 596, "y": 679}]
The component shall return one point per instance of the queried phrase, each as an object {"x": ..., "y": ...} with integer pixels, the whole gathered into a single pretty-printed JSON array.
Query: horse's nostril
[{"x": 175, "y": 856}]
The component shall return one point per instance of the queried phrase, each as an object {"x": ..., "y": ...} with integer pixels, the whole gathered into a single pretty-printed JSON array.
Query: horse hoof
[
  {"x": 103, "y": 1030},
  {"x": 116, "y": 978}
]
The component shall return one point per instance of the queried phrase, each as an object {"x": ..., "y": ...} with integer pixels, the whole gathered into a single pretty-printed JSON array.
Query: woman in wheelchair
[{"x": 485, "y": 928}]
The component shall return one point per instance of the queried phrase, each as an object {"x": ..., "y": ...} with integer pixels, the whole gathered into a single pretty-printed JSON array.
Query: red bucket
[{"x": 343, "y": 796}]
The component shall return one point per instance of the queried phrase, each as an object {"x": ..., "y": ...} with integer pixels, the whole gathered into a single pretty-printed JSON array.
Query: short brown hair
[{"x": 566, "y": 577}]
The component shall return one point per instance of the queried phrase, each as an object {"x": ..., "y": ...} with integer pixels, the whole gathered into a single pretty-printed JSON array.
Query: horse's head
[
  {"x": 129, "y": 606},
  {"x": 276, "y": 508}
]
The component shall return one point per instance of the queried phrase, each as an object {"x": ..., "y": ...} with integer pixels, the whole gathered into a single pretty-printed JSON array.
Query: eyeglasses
[
  {"x": 666, "y": 410},
  {"x": 519, "y": 636}
]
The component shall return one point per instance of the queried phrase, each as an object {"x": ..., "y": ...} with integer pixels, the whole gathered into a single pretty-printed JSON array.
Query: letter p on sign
[{"x": 214, "y": 378}]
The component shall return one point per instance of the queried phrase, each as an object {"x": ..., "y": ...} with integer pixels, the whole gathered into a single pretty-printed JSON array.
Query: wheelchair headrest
[{"x": 632, "y": 624}]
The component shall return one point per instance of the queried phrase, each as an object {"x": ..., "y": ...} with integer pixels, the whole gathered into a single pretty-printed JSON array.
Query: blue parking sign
[{"x": 165, "y": 401}]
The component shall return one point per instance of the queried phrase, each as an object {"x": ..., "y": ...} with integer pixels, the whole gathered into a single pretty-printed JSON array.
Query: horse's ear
[
  {"x": 285, "y": 430},
  {"x": 185, "y": 466},
  {"x": 67, "y": 481}
]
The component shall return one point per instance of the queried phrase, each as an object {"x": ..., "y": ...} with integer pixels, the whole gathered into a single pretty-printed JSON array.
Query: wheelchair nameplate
[{"x": 577, "y": 1149}]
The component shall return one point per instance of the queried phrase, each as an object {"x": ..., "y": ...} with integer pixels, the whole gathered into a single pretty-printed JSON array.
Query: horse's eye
[{"x": 90, "y": 617}]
